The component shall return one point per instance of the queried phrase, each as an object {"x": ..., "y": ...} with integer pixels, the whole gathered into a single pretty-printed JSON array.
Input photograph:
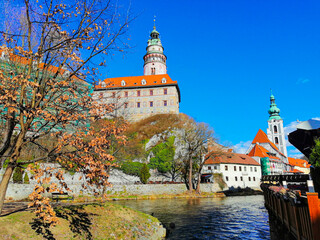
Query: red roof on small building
[
  {"x": 298, "y": 162},
  {"x": 232, "y": 158}
]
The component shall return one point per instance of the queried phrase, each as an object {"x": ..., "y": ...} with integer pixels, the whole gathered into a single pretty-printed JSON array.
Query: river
[{"x": 242, "y": 217}]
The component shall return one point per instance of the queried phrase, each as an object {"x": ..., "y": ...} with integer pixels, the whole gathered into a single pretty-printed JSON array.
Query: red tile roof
[
  {"x": 232, "y": 158},
  {"x": 262, "y": 137},
  {"x": 298, "y": 162},
  {"x": 259, "y": 151},
  {"x": 136, "y": 81}
]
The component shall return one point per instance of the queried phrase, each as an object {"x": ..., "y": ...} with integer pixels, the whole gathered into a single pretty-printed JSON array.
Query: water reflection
[{"x": 209, "y": 218}]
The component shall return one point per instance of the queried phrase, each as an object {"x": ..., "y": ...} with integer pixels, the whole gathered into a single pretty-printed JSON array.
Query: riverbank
[
  {"x": 242, "y": 192},
  {"x": 91, "y": 221}
]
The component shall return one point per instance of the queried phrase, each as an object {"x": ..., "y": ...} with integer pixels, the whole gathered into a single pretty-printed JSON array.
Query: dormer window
[
  {"x": 163, "y": 80},
  {"x": 103, "y": 84},
  {"x": 143, "y": 82},
  {"x": 123, "y": 83}
]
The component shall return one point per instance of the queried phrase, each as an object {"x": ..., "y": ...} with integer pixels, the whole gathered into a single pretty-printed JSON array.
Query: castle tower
[
  {"x": 154, "y": 60},
  {"x": 275, "y": 130}
]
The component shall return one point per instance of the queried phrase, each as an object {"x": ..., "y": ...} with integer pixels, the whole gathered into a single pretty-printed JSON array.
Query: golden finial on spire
[{"x": 154, "y": 22}]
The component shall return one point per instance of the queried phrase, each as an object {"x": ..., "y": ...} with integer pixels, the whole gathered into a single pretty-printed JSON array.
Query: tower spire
[
  {"x": 275, "y": 129},
  {"x": 154, "y": 60}
]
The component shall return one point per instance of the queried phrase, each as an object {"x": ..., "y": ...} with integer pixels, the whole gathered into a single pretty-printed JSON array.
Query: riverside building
[
  {"x": 137, "y": 97},
  {"x": 238, "y": 170}
]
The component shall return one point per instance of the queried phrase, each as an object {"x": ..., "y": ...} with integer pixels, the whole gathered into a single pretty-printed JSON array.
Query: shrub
[
  {"x": 132, "y": 168},
  {"x": 17, "y": 175},
  {"x": 144, "y": 174}
]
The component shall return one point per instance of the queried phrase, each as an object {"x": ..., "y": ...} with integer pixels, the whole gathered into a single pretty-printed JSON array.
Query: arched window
[
  {"x": 143, "y": 82},
  {"x": 275, "y": 129},
  {"x": 103, "y": 84},
  {"x": 164, "y": 80},
  {"x": 276, "y": 140},
  {"x": 123, "y": 83}
]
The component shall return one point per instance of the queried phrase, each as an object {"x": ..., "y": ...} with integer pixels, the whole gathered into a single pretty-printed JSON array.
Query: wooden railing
[{"x": 300, "y": 214}]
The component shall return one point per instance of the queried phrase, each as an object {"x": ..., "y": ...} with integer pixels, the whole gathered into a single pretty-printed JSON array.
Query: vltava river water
[{"x": 209, "y": 218}]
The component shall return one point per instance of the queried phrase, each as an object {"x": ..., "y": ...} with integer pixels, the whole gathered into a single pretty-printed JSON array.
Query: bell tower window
[
  {"x": 275, "y": 129},
  {"x": 153, "y": 71},
  {"x": 276, "y": 140}
]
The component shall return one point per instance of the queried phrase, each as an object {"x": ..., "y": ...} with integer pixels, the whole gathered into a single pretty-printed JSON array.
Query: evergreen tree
[
  {"x": 26, "y": 179},
  {"x": 144, "y": 174}
]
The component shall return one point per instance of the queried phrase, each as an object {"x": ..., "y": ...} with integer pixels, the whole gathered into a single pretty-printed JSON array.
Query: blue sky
[{"x": 227, "y": 55}]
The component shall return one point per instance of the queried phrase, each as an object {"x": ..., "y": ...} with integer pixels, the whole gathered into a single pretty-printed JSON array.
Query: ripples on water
[{"x": 209, "y": 218}]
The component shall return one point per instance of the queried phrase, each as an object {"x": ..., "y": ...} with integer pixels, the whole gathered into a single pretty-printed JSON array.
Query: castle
[{"x": 138, "y": 97}]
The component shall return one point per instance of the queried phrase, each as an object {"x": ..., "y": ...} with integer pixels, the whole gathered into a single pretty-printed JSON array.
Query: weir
[{"x": 293, "y": 206}]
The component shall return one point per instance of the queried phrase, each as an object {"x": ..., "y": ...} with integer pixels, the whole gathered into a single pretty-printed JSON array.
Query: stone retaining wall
[{"x": 21, "y": 191}]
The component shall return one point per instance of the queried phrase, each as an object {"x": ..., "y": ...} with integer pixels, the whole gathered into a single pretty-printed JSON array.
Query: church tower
[
  {"x": 275, "y": 129},
  {"x": 154, "y": 60}
]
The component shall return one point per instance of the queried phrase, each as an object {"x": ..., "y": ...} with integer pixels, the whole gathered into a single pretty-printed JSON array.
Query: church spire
[
  {"x": 275, "y": 129},
  {"x": 154, "y": 60},
  {"x": 274, "y": 111}
]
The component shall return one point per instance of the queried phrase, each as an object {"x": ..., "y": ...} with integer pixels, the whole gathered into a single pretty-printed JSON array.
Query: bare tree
[
  {"x": 47, "y": 65},
  {"x": 194, "y": 137}
]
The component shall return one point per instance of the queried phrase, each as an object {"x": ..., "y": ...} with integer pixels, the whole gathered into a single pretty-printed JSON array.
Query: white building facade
[{"x": 238, "y": 170}]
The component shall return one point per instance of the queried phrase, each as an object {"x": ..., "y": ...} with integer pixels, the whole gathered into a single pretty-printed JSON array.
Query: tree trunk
[
  {"x": 4, "y": 184},
  {"x": 190, "y": 175},
  {"x": 198, "y": 183}
]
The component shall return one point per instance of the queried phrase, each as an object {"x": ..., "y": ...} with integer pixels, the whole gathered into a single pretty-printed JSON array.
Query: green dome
[{"x": 274, "y": 111}]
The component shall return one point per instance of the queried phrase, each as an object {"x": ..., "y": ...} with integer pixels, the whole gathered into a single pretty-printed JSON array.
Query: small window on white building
[
  {"x": 123, "y": 83},
  {"x": 236, "y": 178},
  {"x": 245, "y": 169},
  {"x": 163, "y": 80},
  {"x": 215, "y": 167},
  {"x": 103, "y": 84},
  {"x": 209, "y": 168},
  {"x": 143, "y": 82},
  {"x": 249, "y": 178},
  {"x": 255, "y": 169},
  {"x": 227, "y": 178},
  {"x": 254, "y": 179},
  {"x": 241, "y": 178}
]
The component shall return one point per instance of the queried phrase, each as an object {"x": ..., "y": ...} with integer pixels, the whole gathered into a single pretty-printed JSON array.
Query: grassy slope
[{"x": 108, "y": 221}]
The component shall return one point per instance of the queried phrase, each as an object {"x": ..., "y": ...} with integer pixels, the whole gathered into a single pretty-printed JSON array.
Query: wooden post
[{"x": 314, "y": 211}]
